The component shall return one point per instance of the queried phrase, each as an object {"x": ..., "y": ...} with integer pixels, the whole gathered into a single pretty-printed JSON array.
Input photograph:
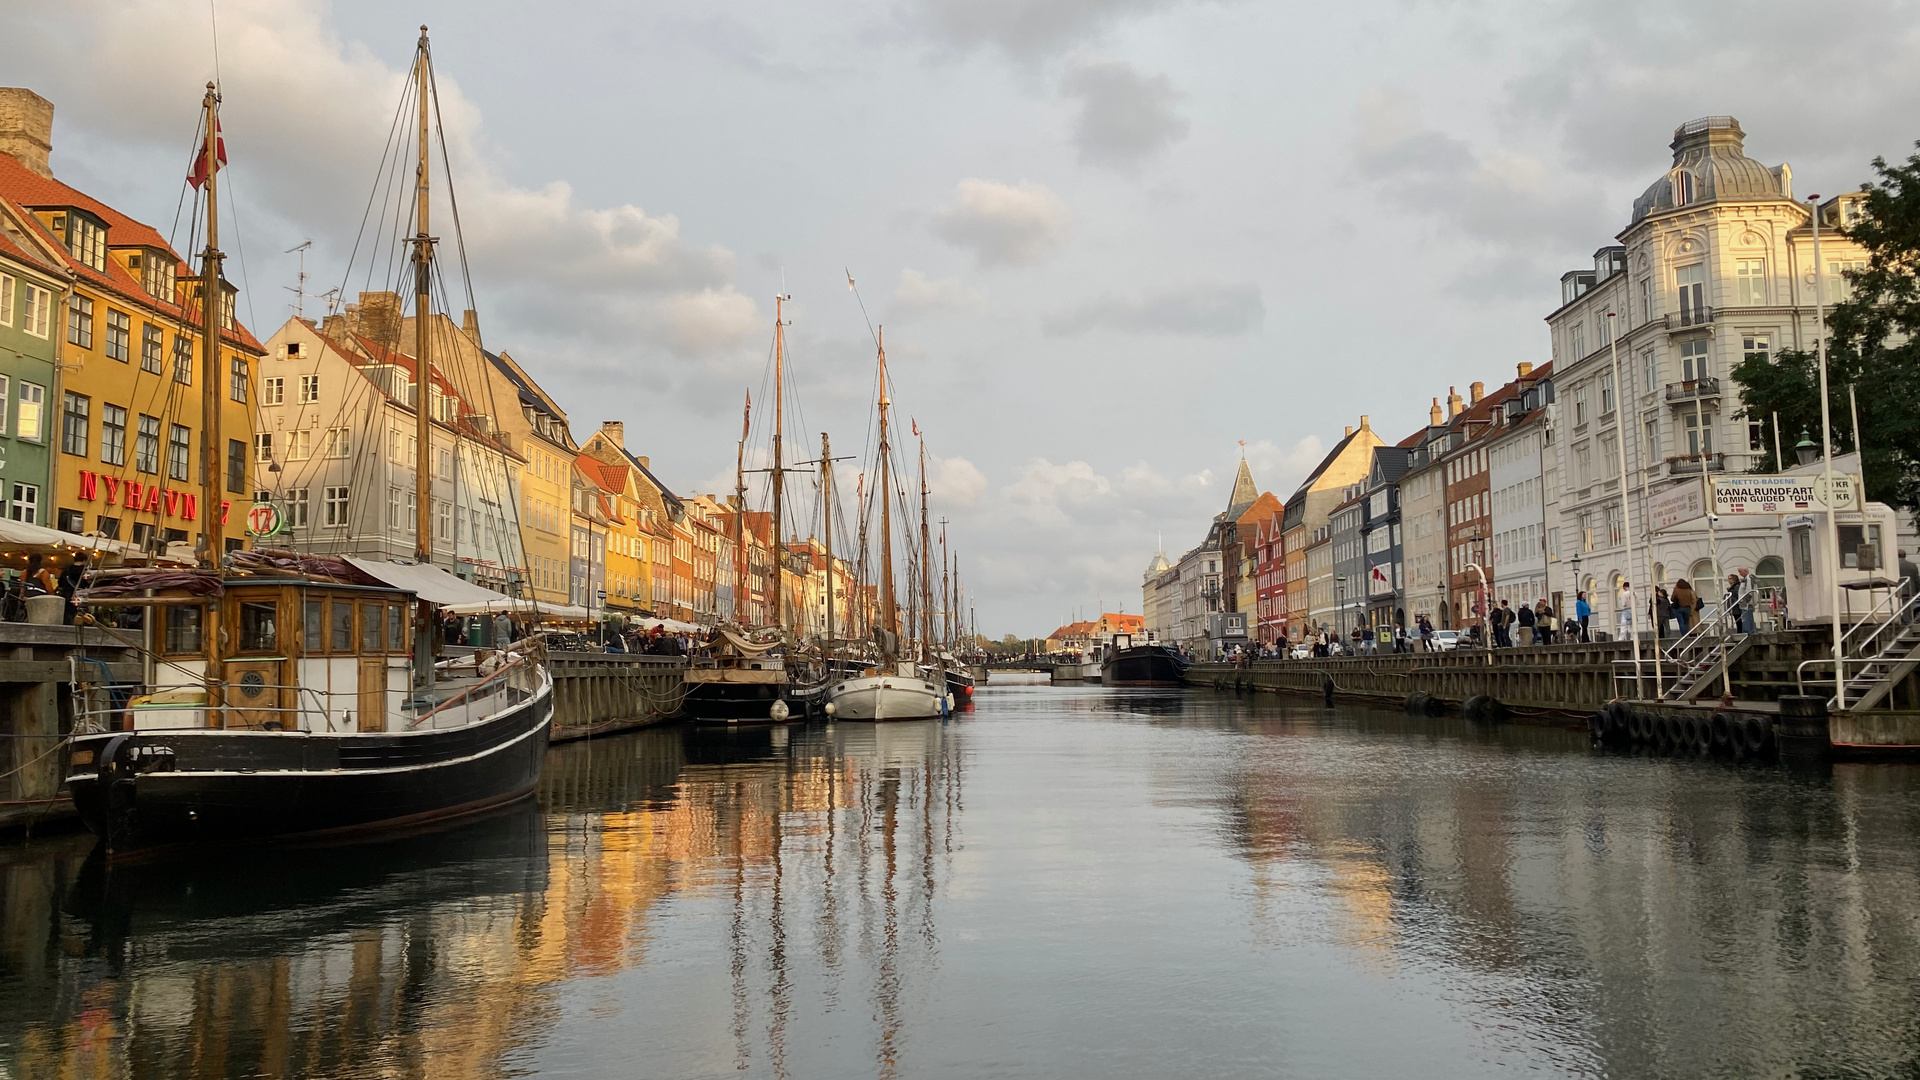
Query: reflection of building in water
[
  {"x": 1641, "y": 918},
  {"x": 437, "y": 955}
]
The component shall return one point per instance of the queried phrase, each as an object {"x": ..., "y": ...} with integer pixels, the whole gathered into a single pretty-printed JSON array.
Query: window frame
[
  {"x": 113, "y": 451},
  {"x": 32, "y": 403},
  {"x": 76, "y": 423},
  {"x": 80, "y": 320},
  {"x": 118, "y": 343},
  {"x": 239, "y": 374},
  {"x": 180, "y": 453},
  {"x": 146, "y": 445}
]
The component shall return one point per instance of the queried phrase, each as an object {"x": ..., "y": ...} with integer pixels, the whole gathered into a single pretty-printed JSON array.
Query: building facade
[{"x": 33, "y": 286}]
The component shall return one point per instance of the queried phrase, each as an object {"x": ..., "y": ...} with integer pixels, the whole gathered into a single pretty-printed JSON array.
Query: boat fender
[
  {"x": 1597, "y": 726},
  {"x": 779, "y": 710},
  {"x": 1722, "y": 730},
  {"x": 829, "y": 709},
  {"x": 104, "y": 763},
  {"x": 1759, "y": 734}
]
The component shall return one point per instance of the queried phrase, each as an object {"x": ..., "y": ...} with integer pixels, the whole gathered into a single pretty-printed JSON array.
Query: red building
[{"x": 1270, "y": 578}]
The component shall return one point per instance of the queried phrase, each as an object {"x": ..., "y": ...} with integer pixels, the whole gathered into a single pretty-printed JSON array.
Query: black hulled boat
[{"x": 1149, "y": 664}]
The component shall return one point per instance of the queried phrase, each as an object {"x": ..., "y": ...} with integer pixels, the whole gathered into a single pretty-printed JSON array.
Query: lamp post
[
  {"x": 1626, "y": 504},
  {"x": 1572, "y": 613},
  {"x": 1340, "y": 607},
  {"x": 1826, "y": 454}
]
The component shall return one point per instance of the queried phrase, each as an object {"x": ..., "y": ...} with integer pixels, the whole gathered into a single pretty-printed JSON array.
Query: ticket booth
[{"x": 1866, "y": 564}]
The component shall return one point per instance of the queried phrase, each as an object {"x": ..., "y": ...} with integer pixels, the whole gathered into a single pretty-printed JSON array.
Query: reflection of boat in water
[{"x": 1147, "y": 664}]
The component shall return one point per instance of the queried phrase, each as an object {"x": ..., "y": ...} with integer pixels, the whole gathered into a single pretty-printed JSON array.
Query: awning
[
  {"x": 22, "y": 534},
  {"x": 671, "y": 626},
  {"x": 513, "y": 605},
  {"x": 429, "y": 583}
]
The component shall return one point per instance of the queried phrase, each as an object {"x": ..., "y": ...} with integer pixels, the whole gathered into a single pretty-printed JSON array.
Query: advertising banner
[
  {"x": 1676, "y": 505},
  {"x": 1781, "y": 494}
]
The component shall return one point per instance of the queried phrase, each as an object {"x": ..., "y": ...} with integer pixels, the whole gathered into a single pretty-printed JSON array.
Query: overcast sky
[{"x": 1108, "y": 239}]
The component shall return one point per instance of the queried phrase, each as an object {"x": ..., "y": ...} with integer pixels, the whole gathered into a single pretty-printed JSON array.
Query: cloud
[
  {"x": 917, "y": 293},
  {"x": 1280, "y": 469},
  {"x": 1044, "y": 491},
  {"x": 1003, "y": 224},
  {"x": 1198, "y": 309},
  {"x": 599, "y": 281},
  {"x": 1126, "y": 117},
  {"x": 955, "y": 481},
  {"x": 1024, "y": 29}
]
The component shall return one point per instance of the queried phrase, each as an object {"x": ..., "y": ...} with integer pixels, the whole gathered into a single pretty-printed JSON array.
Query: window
[
  {"x": 146, "y": 445},
  {"x": 273, "y": 390},
  {"x": 1580, "y": 404},
  {"x": 1606, "y": 393},
  {"x": 396, "y": 628},
  {"x": 1839, "y": 289},
  {"x": 80, "y": 321},
  {"x": 226, "y": 308},
  {"x": 1691, "y": 283},
  {"x": 263, "y": 447},
  {"x": 1646, "y": 300},
  {"x": 1577, "y": 340},
  {"x": 309, "y": 389},
  {"x": 1583, "y": 466},
  {"x": 6, "y": 299},
  {"x": 119, "y": 336},
  {"x": 296, "y": 507},
  {"x": 342, "y": 636},
  {"x": 1651, "y": 447},
  {"x": 394, "y": 506},
  {"x": 335, "y": 507},
  {"x": 1750, "y": 282},
  {"x": 151, "y": 346},
  {"x": 74, "y": 423},
  {"x": 157, "y": 272},
  {"x": 183, "y": 630},
  {"x": 1699, "y": 435},
  {"x": 1693, "y": 360},
  {"x": 258, "y": 632},
  {"x": 299, "y": 444},
  {"x": 1682, "y": 188},
  {"x": 1609, "y": 456},
  {"x": 237, "y": 378},
  {"x": 236, "y": 466},
  {"x": 1602, "y": 331},
  {"x": 413, "y": 512},
  {"x": 1756, "y": 437},
  {"x": 87, "y": 241},
  {"x": 39, "y": 311},
  {"x": 113, "y": 435},
  {"x": 1615, "y": 532},
  {"x": 26, "y": 503},
  {"x": 443, "y": 463},
  {"x": 1650, "y": 369},
  {"x": 179, "y": 447},
  {"x": 339, "y": 442},
  {"x": 182, "y": 359},
  {"x": 108, "y": 527},
  {"x": 315, "y": 612},
  {"x": 33, "y": 399},
  {"x": 1756, "y": 347},
  {"x": 443, "y": 519}
]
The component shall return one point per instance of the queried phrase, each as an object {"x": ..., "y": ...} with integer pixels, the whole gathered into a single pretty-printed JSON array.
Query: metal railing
[
  {"x": 1699, "y": 316},
  {"x": 1895, "y": 613},
  {"x": 1702, "y": 388},
  {"x": 1690, "y": 465}
]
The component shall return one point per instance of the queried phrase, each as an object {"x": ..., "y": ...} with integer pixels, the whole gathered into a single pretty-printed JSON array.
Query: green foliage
[{"x": 1873, "y": 343}]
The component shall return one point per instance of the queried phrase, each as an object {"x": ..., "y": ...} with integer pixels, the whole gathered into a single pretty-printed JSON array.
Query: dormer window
[
  {"x": 1683, "y": 187},
  {"x": 227, "y": 296},
  {"x": 85, "y": 237},
  {"x": 156, "y": 273}
]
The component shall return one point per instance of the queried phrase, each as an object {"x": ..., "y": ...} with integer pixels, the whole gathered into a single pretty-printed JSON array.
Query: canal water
[{"x": 1064, "y": 882}]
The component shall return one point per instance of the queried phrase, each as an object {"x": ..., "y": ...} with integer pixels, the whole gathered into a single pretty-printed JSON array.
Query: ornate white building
[{"x": 1716, "y": 265}]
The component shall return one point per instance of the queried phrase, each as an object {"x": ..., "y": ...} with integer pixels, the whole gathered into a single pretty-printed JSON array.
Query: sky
[{"x": 1114, "y": 244}]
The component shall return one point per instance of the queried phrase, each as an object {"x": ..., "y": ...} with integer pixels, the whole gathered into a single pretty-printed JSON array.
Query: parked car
[
  {"x": 1301, "y": 651},
  {"x": 1446, "y": 640}
]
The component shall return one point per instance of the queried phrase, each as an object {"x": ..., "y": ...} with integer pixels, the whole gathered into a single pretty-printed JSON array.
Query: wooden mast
[
  {"x": 779, "y": 478},
  {"x": 212, "y": 304},
  {"x": 826, "y": 526},
  {"x": 889, "y": 612},
  {"x": 946, "y": 586},
  {"x": 740, "y": 518},
  {"x": 423, "y": 380},
  {"x": 926, "y": 575}
]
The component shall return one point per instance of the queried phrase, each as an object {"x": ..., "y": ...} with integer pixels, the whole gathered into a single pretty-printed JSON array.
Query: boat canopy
[
  {"x": 514, "y": 605},
  {"x": 21, "y": 534},
  {"x": 429, "y": 583}
]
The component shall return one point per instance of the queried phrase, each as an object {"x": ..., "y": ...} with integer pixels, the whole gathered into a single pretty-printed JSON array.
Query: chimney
[
  {"x": 1524, "y": 368},
  {"x": 380, "y": 317},
  {"x": 1479, "y": 390},
  {"x": 647, "y": 464},
  {"x": 1433, "y": 414},
  {"x": 1454, "y": 405},
  {"x": 1363, "y": 423},
  {"x": 1349, "y": 431},
  {"x": 26, "y": 128},
  {"x": 614, "y": 430},
  {"x": 470, "y": 326}
]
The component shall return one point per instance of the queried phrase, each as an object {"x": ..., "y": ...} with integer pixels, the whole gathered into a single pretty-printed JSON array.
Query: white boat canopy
[
  {"x": 22, "y": 534},
  {"x": 514, "y": 605},
  {"x": 429, "y": 583}
]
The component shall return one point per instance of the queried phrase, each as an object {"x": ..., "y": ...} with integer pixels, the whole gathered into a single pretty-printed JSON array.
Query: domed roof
[{"x": 1708, "y": 156}]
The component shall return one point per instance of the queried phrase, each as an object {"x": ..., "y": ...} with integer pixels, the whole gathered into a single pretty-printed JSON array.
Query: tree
[{"x": 1873, "y": 343}]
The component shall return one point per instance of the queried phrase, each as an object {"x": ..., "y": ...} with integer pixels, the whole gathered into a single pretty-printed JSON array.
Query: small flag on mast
[{"x": 198, "y": 177}]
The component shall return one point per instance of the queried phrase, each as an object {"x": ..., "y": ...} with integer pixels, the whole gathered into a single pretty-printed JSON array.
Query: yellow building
[{"x": 126, "y": 411}]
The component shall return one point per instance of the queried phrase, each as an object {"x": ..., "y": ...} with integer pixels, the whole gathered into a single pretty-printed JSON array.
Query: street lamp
[
  {"x": 1340, "y": 606},
  {"x": 1566, "y": 612}
]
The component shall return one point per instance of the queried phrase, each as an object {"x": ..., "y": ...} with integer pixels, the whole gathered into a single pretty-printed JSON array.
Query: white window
[
  {"x": 1606, "y": 393},
  {"x": 1650, "y": 369},
  {"x": 299, "y": 444},
  {"x": 336, "y": 507},
  {"x": 87, "y": 241},
  {"x": 39, "y": 311},
  {"x": 26, "y": 503},
  {"x": 339, "y": 442},
  {"x": 1691, "y": 284},
  {"x": 263, "y": 447},
  {"x": 273, "y": 390},
  {"x": 1839, "y": 289},
  {"x": 1577, "y": 340},
  {"x": 1693, "y": 360},
  {"x": 1646, "y": 300},
  {"x": 297, "y": 508},
  {"x": 4, "y": 399},
  {"x": 1750, "y": 282},
  {"x": 33, "y": 400},
  {"x": 1756, "y": 347},
  {"x": 6, "y": 300},
  {"x": 1580, "y": 404},
  {"x": 394, "y": 505},
  {"x": 1699, "y": 435},
  {"x": 309, "y": 389},
  {"x": 443, "y": 463}
]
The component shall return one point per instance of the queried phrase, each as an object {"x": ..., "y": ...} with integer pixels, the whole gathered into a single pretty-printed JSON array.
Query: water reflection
[{"x": 1069, "y": 882}]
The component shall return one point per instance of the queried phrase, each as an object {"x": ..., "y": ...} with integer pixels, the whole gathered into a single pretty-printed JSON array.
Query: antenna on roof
[{"x": 299, "y": 289}]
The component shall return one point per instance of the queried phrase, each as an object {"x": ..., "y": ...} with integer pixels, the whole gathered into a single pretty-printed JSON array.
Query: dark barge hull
[
  {"x": 960, "y": 685},
  {"x": 1143, "y": 665},
  {"x": 744, "y": 703},
  {"x": 144, "y": 791}
]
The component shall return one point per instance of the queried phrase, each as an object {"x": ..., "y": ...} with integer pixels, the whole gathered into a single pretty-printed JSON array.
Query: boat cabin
[{"x": 296, "y": 655}]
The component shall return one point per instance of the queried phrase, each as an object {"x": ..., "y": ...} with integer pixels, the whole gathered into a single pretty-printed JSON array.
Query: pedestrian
[
  {"x": 1545, "y": 623},
  {"x": 1909, "y": 576},
  {"x": 1399, "y": 637},
  {"x": 1503, "y": 626},
  {"x": 502, "y": 630},
  {"x": 1662, "y": 611},
  {"x": 1749, "y": 596},
  {"x": 1582, "y": 612},
  {"x": 1528, "y": 621},
  {"x": 1623, "y": 613},
  {"x": 69, "y": 583},
  {"x": 1682, "y": 601},
  {"x": 1366, "y": 641}
]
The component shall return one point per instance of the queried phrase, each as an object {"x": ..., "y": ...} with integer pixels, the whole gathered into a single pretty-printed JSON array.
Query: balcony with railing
[
  {"x": 1687, "y": 318},
  {"x": 1690, "y": 465},
  {"x": 1705, "y": 388}
]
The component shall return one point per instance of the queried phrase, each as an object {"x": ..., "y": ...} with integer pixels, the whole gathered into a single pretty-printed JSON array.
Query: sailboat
[
  {"x": 893, "y": 688},
  {"x": 736, "y": 678},
  {"x": 296, "y": 696}
]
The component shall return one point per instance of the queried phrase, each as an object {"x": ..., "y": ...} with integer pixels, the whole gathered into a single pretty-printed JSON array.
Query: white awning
[
  {"x": 22, "y": 534},
  {"x": 429, "y": 583},
  {"x": 497, "y": 604}
]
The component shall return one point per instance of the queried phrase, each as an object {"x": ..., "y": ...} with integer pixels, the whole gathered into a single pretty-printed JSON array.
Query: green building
[{"x": 33, "y": 290}]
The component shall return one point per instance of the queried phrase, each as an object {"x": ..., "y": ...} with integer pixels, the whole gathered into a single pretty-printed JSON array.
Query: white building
[
  {"x": 1715, "y": 265},
  {"x": 1518, "y": 484}
]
